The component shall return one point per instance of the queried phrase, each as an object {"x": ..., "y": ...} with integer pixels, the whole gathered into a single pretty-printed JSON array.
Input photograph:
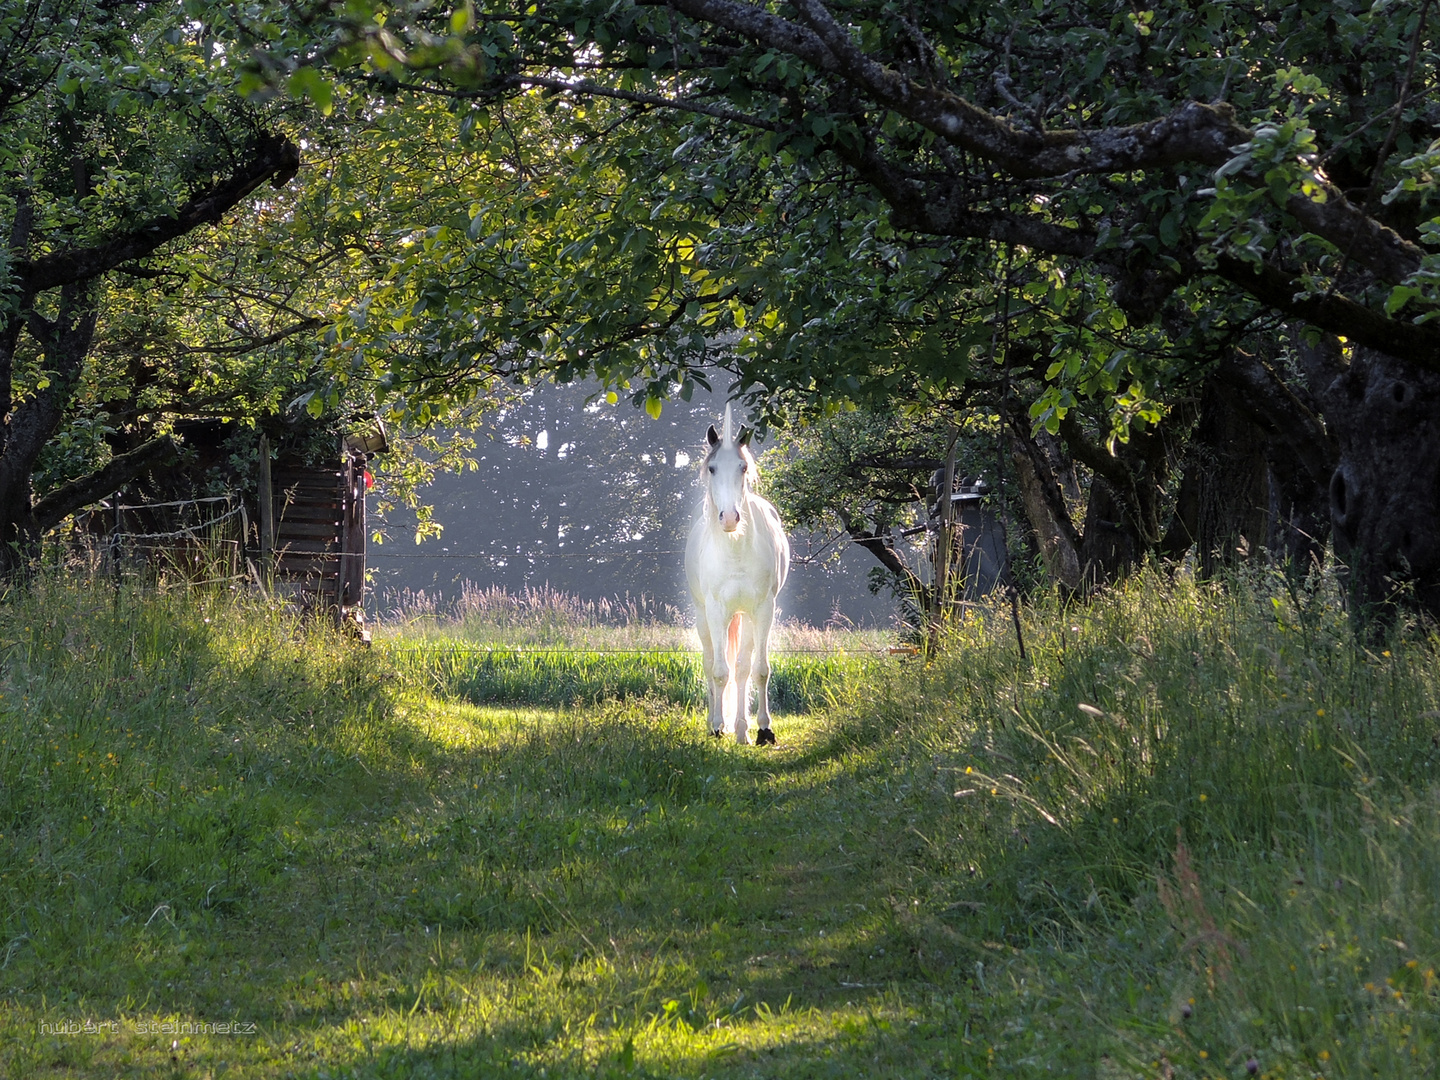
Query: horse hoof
[
  {"x": 765, "y": 737},
  {"x": 719, "y": 733}
]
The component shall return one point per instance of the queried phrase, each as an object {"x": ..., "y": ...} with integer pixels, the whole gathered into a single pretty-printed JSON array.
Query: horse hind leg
[{"x": 764, "y": 619}]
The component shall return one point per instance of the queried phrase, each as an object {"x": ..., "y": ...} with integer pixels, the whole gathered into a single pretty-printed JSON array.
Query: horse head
[{"x": 729, "y": 466}]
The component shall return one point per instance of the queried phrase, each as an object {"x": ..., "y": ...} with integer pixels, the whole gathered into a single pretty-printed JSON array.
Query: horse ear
[
  {"x": 744, "y": 439},
  {"x": 712, "y": 436}
]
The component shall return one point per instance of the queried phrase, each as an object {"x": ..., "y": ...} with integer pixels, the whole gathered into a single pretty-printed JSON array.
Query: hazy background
[{"x": 596, "y": 501}]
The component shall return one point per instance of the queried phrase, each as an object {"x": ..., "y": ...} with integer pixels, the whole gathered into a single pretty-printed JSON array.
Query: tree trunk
[
  {"x": 1122, "y": 516},
  {"x": 1043, "y": 492},
  {"x": 1112, "y": 544},
  {"x": 65, "y": 342},
  {"x": 1122, "y": 520},
  {"x": 1223, "y": 505},
  {"x": 945, "y": 550},
  {"x": 1299, "y": 513},
  {"x": 1385, "y": 490},
  {"x": 1300, "y": 450},
  {"x": 1258, "y": 466}
]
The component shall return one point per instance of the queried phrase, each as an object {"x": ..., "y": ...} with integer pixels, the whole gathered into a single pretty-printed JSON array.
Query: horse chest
[
  {"x": 741, "y": 580},
  {"x": 736, "y": 574}
]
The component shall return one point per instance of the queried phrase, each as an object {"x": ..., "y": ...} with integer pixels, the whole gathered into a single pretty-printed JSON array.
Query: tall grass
[
  {"x": 539, "y": 615},
  {"x": 1213, "y": 807},
  {"x": 544, "y": 617},
  {"x": 1196, "y": 830}
]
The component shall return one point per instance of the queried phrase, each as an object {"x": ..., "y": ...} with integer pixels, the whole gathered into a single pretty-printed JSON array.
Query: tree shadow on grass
[
  {"x": 280, "y": 839},
  {"x": 631, "y": 843}
]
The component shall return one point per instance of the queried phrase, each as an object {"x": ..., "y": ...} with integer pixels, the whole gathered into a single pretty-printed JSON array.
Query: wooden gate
[{"x": 312, "y": 530}]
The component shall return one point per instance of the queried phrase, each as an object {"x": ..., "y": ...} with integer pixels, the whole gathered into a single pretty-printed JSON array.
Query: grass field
[
  {"x": 1197, "y": 834},
  {"x": 544, "y": 647}
]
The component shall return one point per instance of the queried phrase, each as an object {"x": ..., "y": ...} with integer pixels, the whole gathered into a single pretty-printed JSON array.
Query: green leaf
[
  {"x": 1399, "y": 297},
  {"x": 306, "y": 82}
]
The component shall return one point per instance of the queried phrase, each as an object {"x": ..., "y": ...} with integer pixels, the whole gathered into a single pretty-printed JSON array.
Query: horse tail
[{"x": 729, "y": 708}]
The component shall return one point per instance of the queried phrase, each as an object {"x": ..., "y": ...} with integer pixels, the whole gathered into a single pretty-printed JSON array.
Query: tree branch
[
  {"x": 1195, "y": 132},
  {"x": 247, "y": 345},
  {"x": 586, "y": 86},
  {"x": 1337, "y": 314},
  {"x": 936, "y": 206},
  {"x": 64, "y": 501},
  {"x": 885, "y": 555},
  {"x": 1092, "y": 456},
  {"x": 275, "y": 159}
]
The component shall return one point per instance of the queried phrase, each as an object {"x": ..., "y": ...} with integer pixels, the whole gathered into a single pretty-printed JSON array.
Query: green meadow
[{"x": 1194, "y": 833}]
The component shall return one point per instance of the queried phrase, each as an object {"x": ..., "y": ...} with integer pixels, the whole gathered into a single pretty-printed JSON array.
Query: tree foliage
[
  {"x": 165, "y": 268},
  {"x": 1169, "y": 174},
  {"x": 1076, "y": 211},
  {"x": 1071, "y": 214},
  {"x": 120, "y": 136},
  {"x": 868, "y": 478}
]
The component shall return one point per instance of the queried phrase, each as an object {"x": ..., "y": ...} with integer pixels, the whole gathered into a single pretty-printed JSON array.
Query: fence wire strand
[{"x": 513, "y": 651}]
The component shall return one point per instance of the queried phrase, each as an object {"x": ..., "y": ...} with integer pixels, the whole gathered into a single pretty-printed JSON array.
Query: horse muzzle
[{"x": 730, "y": 520}]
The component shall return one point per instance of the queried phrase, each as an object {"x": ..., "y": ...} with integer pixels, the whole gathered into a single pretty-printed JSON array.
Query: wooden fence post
[
  {"x": 267, "y": 512},
  {"x": 940, "y": 577}
]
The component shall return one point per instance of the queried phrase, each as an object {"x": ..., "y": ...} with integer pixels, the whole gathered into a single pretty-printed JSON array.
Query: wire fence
[
  {"x": 469, "y": 647},
  {"x": 507, "y": 555},
  {"x": 525, "y": 555},
  {"x": 165, "y": 505},
  {"x": 117, "y": 541},
  {"x": 187, "y": 532}
]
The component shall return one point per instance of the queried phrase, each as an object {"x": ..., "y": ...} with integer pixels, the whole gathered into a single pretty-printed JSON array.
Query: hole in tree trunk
[{"x": 1345, "y": 499}]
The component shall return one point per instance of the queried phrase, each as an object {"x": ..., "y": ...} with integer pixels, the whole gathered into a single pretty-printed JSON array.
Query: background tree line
[{"x": 1178, "y": 254}]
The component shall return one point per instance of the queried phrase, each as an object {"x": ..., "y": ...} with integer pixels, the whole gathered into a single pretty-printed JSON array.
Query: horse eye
[
  {"x": 712, "y": 468},
  {"x": 744, "y": 467}
]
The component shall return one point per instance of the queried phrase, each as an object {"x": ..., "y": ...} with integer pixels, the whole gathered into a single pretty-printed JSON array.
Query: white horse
[{"x": 736, "y": 561}]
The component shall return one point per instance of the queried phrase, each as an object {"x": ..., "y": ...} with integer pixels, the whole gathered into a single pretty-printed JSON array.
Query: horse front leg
[
  {"x": 707, "y": 661},
  {"x": 764, "y": 620},
  {"x": 744, "y": 659},
  {"x": 717, "y": 667}
]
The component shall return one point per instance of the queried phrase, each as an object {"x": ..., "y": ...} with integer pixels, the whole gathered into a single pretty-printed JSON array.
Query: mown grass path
[
  {"x": 211, "y": 823},
  {"x": 1230, "y": 857}
]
